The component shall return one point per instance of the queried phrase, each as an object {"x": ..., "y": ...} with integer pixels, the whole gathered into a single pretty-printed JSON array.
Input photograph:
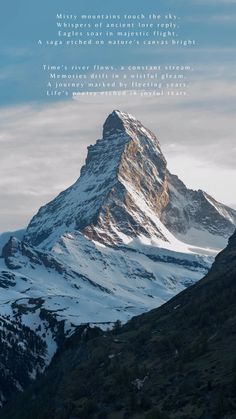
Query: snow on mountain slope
[
  {"x": 79, "y": 282},
  {"x": 196, "y": 218},
  {"x": 98, "y": 202},
  {"x": 4, "y": 237},
  {"x": 123, "y": 239},
  {"x": 109, "y": 246},
  {"x": 125, "y": 191},
  {"x": 47, "y": 294}
]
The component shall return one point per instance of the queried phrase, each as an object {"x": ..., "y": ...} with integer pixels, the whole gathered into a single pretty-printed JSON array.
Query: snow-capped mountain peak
[
  {"x": 125, "y": 191},
  {"x": 122, "y": 169},
  {"x": 124, "y": 238},
  {"x": 118, "y": 122}
]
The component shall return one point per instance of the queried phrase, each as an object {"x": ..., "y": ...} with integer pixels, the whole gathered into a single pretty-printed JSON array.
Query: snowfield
[{"x": 123, "y": 239}]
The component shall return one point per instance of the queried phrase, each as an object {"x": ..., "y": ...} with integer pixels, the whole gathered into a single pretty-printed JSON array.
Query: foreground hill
[
  {"x": 177, "y": 361},
  {"x": 123, "y": 239}
]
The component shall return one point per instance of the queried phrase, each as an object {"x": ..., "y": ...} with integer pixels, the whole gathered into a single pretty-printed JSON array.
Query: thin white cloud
[{"x": 43, "y": 147}]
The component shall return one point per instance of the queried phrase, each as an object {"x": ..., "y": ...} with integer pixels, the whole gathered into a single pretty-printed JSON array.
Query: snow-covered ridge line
[
  {"x": 125, "y": 171},
  {"x": 123, "y": 239}
]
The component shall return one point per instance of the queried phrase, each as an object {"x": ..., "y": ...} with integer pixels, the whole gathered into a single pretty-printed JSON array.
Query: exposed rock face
[
  {"x": 125, "y": 191},
  {"x": 188, "y": 209},
  {"x": 16, "y": 252},
  {"x": 59, "y": 276},
  {"x": 122, "y": 171},
  {"x": 180, "y": 358},
  {"x": 140, "y": 184}
]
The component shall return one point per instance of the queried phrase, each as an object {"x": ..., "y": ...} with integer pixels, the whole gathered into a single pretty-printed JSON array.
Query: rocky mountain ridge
[
  {"x": 125, "y": 238},
  {"x": 174, "y": 362},
  {"x": 126, "y": 191}
]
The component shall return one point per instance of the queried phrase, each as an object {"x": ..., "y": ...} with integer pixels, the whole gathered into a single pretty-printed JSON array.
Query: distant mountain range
[{"x": 123, "y": 239}]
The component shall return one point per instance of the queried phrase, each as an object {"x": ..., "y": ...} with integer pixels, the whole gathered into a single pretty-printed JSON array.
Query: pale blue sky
[
  {"x": 197, "y": 133},
  {"x": 23, "y": 22}
]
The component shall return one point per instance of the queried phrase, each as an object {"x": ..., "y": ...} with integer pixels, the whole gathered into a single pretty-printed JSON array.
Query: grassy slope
[{"x": 178, "y": 361}]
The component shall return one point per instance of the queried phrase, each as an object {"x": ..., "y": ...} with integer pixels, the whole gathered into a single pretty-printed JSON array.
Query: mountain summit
[
  {"x": 122, "y": 240},
  {"x": 125, "y": 191}
]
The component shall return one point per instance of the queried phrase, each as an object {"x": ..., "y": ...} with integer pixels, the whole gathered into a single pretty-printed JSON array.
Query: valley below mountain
[
  {"x": 125, "y": 238},
  {"x": 174, "y": 362}
]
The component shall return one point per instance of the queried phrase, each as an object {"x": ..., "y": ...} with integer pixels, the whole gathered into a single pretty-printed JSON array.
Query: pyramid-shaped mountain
[
  {"x": 125, "y": 238},
  {"x": 125, "y": 191}
]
